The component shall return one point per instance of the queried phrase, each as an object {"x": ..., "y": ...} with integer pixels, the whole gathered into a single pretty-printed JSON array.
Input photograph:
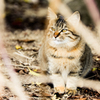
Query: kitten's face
[{"x": 60, "y": 33}]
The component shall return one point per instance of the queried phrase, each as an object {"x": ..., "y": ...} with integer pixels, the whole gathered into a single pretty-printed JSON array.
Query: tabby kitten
[{"x": 63, "y": 54}]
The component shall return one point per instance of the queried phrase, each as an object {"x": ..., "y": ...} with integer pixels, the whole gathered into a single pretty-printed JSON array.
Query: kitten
[{"x": 64, "y": 54}]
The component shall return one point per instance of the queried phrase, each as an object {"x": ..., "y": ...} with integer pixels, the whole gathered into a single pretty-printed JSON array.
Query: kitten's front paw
[
  {"x": 59, "y": 89},
  {"x": 70, "y": 92}
]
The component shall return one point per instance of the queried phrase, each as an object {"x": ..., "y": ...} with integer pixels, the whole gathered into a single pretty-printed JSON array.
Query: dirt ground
[{"x": 22, "y": 48}]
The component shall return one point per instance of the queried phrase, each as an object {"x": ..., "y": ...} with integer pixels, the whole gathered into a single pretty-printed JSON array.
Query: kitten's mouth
[{"x": 56, "y": 40}]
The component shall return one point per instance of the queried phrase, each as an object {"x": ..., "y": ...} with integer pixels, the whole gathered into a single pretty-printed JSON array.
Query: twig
[
  {"x": 95, "y": 14},
  {"x": 93, "y": 10},
  {"x": 22, "y": 55},
  {"x": 14, "y": 79}
]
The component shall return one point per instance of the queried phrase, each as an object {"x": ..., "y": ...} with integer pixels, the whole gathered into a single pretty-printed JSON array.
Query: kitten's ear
[
  {"x": 74, "y": 18},
  {"x": 51, "y": 14}
]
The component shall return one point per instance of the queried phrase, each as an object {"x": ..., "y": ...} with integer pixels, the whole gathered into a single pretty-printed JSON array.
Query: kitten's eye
[
  {"x": 52, "y": 28},
  {"x": 64, "y": 30}
]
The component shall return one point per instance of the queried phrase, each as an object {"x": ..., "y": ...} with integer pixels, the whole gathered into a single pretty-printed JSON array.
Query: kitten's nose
[{"x": 56, "y": 34}]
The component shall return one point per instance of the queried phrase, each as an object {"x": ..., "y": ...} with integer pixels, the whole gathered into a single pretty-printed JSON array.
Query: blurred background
[{"x": 31, "y": 14}]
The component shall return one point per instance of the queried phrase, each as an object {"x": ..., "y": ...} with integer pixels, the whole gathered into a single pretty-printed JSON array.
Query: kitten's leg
[
  {"x": 71, "y": 85},
  {"x": 58, "y": 83}
]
